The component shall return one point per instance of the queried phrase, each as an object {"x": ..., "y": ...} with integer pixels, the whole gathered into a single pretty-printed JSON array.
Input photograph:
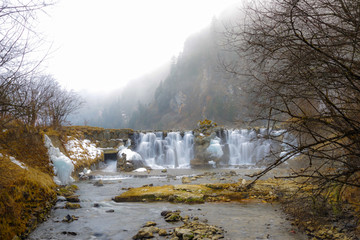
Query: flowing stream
[{"x": 101, "y": 218}]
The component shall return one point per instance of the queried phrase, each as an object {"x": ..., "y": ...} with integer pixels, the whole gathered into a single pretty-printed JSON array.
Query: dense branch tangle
[
  {"x": 304, "y": 55},
  {"x": 25, "y": 94}
]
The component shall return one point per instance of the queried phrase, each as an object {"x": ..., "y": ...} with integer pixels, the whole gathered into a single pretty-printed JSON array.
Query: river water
[{"x": 101, "y": 218}]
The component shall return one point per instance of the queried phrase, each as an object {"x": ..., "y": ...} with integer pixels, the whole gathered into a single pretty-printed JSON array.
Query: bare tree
[
  {"x": 16, "y": 46},
  {"x": 61, "y": 105},
  {"x": 303, "y": 59},
  {"x": 40, "y": 91}
]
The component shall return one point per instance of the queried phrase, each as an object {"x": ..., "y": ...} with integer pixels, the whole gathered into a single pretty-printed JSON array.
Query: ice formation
[
  {"x": 130, "y": 155},
  {"x": 215, "y": 148},
  {"x": 63, "y": 166}
]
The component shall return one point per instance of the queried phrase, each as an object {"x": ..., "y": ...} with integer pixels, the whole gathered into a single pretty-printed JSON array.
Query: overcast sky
[{"x": 98, "y": 45}]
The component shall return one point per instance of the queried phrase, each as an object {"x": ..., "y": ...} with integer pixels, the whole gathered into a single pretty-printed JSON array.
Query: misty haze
[{"x": 169, "y": 119}]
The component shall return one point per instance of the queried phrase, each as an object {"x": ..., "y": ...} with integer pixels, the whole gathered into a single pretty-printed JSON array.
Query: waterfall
[
  {"x": 247, "y": 147},
  {"x": 172, "y": 151},
  {"x": 236, "y": 147}
]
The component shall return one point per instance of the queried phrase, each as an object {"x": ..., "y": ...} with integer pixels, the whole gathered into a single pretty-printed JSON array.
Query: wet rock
[
  {"x": 121, "y": 162},
  {"x": 97, "y": 205},
  {"x": 173, "y": 216},
  {"x": 69, "y": 218},
  {"x": 150, "y": 224},
  {"x": 61, "y": 199},
  {"x": 184, "y": 233},
  {"x": 185, "y": 180},
  {"x": 163, "y": 232},
  {"x": 110, "y": 211},
  {"x": 73, "y": 199},
  {"x": 164, "y": 213},
  {"x": 69, "y": 233},
  {"x": 70, "y": 205},
  {"x": 198, "y": 230},
  {"x": 148, "y": 185},
  {"x": 146, "y": 232},
  {"x": 99, "y": 183}
]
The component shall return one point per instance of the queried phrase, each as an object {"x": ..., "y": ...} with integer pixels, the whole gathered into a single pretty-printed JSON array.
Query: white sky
[{"x": 99, "y": 45}]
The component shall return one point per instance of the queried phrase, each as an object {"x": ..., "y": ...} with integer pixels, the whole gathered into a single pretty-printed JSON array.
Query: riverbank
[
  {"x": 27, "y": 188},
  {"x": 296, "y": 199},
  {"x": 102, "y": 218},
  {"x": 28, "y": 191}
]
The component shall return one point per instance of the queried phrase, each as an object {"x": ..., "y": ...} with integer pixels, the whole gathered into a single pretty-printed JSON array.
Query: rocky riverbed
[{"x": 99, "y": 217}]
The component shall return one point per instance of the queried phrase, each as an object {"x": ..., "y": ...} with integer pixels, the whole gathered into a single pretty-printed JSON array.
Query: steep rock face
[{"x": 205, "y": 132}]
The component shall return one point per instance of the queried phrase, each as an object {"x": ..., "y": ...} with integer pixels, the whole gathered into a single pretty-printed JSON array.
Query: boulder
[
  {"x": 184, "y": 233},
  {"x": 129, "y": 167},
  {"x": 73, "y": 198},
  {"x": 150, "y": 224},
  {"x": 173, "y": 217},
  {"x": 163, "y": 232},
  {"x": 146, "y": 232}
]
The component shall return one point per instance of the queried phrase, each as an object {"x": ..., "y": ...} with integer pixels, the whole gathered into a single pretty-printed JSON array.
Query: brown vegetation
[
  {"x": 25, "y": 194},
  {"x": 303, "y": 59}
]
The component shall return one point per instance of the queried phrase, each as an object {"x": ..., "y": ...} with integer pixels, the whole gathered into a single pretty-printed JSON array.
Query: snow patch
[
  {"x": 20, "y": 164},
  {"x": 63, "y": 166},
  {"x": 140, "y": 170},
  {"x": 82, "y": 149}
]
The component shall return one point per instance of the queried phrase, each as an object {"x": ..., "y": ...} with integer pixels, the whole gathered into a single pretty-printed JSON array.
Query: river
[{"x": 101, "y": 218}]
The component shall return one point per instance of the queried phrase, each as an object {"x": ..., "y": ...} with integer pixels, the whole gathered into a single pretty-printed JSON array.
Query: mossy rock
[
  {"x": 70, "y": 205},
  {"x": 67, "y": 191}
]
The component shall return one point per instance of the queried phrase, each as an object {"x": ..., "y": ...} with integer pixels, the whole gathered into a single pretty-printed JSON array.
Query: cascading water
[
  {"x": 247, "y": 147},
  {"x": 235, "y": 147},
  {"x": 172, "y": 151}
]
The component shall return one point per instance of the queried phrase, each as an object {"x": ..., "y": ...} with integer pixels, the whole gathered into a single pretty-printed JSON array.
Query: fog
[{"x": 96, "y": 46}]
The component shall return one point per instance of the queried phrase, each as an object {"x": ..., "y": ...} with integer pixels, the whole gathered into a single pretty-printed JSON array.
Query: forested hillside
[{"x": 197, "y": 87}]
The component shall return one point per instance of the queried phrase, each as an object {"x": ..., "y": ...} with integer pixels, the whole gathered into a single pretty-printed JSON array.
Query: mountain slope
[{"x": 197, "y": 87}]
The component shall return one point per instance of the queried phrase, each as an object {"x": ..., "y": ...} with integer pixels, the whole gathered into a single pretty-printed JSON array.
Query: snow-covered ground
[
  {"x": 20, "y": 164},
  {"x": 13, "y": 160},
  {"x": 82, "y": 149}
]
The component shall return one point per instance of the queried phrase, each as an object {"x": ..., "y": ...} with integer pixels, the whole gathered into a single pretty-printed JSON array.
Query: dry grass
[{"x": 25, "y": 194}]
